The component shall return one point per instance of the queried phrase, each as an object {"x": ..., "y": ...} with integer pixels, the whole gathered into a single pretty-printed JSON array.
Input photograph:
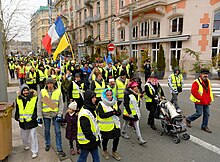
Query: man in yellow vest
[
  {"x": 202, "y": 96},
  {"x": 50, "y": 108},
  {"x": 32, "y": 78},
  {"x": 121, "y": 83},
  {"x": 88, "y": 130},
  {"x": 11, "y": 67},
  {"x": 26, "y": 114},
  {"x": 175, "y": 83}
]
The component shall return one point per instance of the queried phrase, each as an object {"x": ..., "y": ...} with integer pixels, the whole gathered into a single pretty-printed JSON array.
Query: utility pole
[
  {"x": 130, "y": 32},
  {"x": 3, "y": 81},
  {"x": 50, "y": 11}
]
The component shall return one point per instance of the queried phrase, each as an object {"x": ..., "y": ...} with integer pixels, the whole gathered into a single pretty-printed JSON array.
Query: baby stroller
[{"x": 171, "y": 121}]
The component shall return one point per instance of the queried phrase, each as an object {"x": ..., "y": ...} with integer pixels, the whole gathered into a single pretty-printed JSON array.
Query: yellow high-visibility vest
[
  {"x": 176, "y": 81},
  {"x": 11, "y": 66},
  {"x": 93, "y": 126},
  {"x": 27, "y": 112},
  {"x": 148, "y": 99},
  {"x": 99, "y": 89},
  {"x": 75, "y": 92},
  {"x": 41, "y": 75},
  {"x": 131, "y": 106},
  {"x": 200, "y": 90},
  {"x": 33, "y": 78},
  {"x": 120, "y": 88},
  {"x": 55, "y": 97}
]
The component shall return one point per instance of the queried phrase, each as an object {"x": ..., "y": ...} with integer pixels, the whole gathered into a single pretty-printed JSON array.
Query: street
[{"x": 202, "y": 146}]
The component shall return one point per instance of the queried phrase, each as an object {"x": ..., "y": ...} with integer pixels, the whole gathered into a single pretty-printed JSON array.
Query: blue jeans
[
  {"x": 47, "y": 123},
  {"x": 199, "y": 110},
  {"x": 84, "y": 153}
]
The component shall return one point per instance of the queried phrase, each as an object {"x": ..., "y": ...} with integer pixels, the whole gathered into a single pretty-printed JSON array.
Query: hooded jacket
[
  {"x": 85, "y": 123},
  {"x": 33, "y": 123}
]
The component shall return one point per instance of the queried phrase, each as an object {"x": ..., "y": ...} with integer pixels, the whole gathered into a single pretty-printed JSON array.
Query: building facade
[
  {"x": 176, "y": 24},
  {"x": 39, "y": 27},
  {"x": 21, "y": 47},
  {"x": 89, "y": 23}
]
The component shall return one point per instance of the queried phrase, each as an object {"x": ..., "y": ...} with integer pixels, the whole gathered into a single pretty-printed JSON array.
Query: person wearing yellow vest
[
  {"x": 11, "y": 67},
  {"x": 121, "y": 83},
  {"x": 132, "y": 111},
  {"x": 42, "y": 76},
  {"x": 76, "y": 91},
  {"x": 202, "y": 96},
  {"x": 110, "y": 72},
  {"x": 175, "y": 83},
  {"x": 26, "y": 114},
  {"x": 102, "y": 70},
  {"x": 152, "y": 90},
  {"x": 21, "y": 73},
  {"x": 112, "y": 86},
  {"x": 87, "y": 129},
  {"x": 109, "y": 123},
  {"x": 98, "y": 86},
  {"x": 124, "y": 67},
  {"x": 32, "y": 78},
  {"x": 16, "y": 69},
  {"x": 50, "y": 108}
]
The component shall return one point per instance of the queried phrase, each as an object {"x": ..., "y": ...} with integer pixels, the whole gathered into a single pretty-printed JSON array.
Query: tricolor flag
[{"x": 55, "y": 32}]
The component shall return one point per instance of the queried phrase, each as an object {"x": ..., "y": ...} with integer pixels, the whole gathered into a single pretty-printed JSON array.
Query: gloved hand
[
  {"x": 58, "y": 118},
  {"x": 40, "y": 121}
]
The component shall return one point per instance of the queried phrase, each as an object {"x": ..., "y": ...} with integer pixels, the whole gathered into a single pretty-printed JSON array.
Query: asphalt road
[{"x": 161, "y": 148}]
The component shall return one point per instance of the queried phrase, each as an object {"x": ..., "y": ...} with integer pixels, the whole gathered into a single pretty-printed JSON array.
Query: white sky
[{"x": 31, "y": 6}]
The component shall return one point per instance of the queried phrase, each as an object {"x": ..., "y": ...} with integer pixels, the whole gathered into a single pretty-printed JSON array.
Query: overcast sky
[{"x": 30, "y": 6}]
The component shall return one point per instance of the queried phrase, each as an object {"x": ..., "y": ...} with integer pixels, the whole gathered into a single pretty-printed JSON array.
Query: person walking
[
  {"x": 71, "y": 118},
  {"x": 147, "y": 69},
  {"x": 50, "y": 108},
  {"x": 109, "y": 123},
  {"x": 131, "y": 111},
  {"x": 26, "y": 114},
  {"x": 87, "y": 129},
  {"x": 21, "y": 73},
  {"x": 202, "y": 96},
  {"x": 175, "y": 83},
  {"x": 11, "y": 67}
]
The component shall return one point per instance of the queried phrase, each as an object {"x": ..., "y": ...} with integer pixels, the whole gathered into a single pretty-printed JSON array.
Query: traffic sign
[{"x": 111, "y": 47}]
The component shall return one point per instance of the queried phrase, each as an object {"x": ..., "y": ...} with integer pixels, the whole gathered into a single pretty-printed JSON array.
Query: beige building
[
  {"x": 39, "y": 27},
  {"x": 89, "y": 24},
  {"x": 21, "y": 47},
  {"x": 176, "y": 24}
]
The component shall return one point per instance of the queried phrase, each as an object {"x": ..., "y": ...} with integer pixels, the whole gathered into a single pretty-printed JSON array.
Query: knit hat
[
  {"x": 50, "y": 80},
  {"x": 73, "y": 105},
  {"x": 204, "y": 71},
  {"x": 24, "y": 86}
]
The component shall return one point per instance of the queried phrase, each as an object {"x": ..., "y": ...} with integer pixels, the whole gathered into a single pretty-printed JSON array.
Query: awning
[{"x": 155, "y": 40}]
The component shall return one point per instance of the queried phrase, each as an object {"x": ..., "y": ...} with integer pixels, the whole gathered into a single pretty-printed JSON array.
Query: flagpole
[
  {"x": 60, "y": 64},
  {"x": 70, "y": 45}
]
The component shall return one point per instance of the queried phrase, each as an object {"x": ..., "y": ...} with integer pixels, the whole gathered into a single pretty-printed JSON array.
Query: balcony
[
  {"x": 88, "y": 20},
  {"x": 78, "y": 7},
  {"x": 87, "y": 2},
  {"x": 140, "y": 6},
  {"x": 97, "y": 17}
]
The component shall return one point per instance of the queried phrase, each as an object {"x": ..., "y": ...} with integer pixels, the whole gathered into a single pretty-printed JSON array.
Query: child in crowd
[{"x": 71, "y": 128}]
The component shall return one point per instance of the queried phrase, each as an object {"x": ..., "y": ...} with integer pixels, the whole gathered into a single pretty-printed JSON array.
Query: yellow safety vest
[
  {"x": 200, "y": 90},
  {"x": 41, "y": 75},
  {"x": 131, "y": 106},
  {"x": 107, "y": 124},
  {"x": 11, "y": 66},
  {"x": 148, "y": 99},
  {"x": 120, "y": 88},
  {"x": 127, "y": 70},
  {"x": 21, "y": 71},
  {"x": 93, "y": 76},
  {"x": 33, "y": 78},
  {"x": 93, "y": 126},
  {"x": 55, "y": 97},
  {"x": 27, "y": 112},
  {"x": 75, "y": 92},
  {"x": 176, "y": 81},
  {"x": 99, "y": 89},
  {"x": 27, "y": 68}
]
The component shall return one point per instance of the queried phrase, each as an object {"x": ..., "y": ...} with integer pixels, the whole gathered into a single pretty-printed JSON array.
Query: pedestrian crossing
[{"x": 187, "y": 87}]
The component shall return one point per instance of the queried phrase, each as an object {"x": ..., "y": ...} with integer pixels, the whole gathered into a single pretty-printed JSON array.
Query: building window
[
  {"x": 135, "y": 31},
  {"x": 98, "y": 8},
  {"x": 175, "y": 51},
  {"x": 80, "y": 35},
  {"x": 134, "y": 51},
  {"x": 106, "y": 6},
  {"x": 215, "y": 46},
  {"x": 121, "y": 3},
  {"x": 122, "y": 34},
  {"x": 217, "y": 21},
  {"x": 177, "y": 25},
  {"x": 106, "y": 28},
  {"x": 144, "y": 29},
  {"x": 155, "y": 27},
  {"x": 155, "y": 49},
  {"x": 86, "y": 33},
  {"x": 98, "y": 29},
  {"x": 85, "y": 14},
  {"x": 80, "y": 18}
]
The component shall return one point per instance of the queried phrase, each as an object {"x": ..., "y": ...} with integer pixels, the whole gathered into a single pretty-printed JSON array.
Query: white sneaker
[
  {"x": 178, "y": 110},
  {"x": 26, "y": 147},
  {"x": 34, "y": 155},
  {"x": 125, "y": 135},
  {"x": 141, "y": 141}
]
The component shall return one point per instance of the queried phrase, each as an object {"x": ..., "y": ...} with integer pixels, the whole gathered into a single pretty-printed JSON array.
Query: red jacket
[{"x": 205, "y": 99}]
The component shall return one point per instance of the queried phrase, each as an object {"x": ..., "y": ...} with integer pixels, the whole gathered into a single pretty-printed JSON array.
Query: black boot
[{"x": 153, "y": 127}]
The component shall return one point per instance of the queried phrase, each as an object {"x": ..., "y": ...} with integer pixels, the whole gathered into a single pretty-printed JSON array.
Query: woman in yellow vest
[
  {"x": 109, "y": 123},
  {"x": 98, "y": 86},
  {"x": 26, "y": 114},
  {"x": 32, "y": 78},
  {"x": 131, "y": 111}
]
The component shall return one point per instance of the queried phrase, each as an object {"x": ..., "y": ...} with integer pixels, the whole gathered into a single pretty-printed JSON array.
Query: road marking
[{"x": 205, "y": 144}]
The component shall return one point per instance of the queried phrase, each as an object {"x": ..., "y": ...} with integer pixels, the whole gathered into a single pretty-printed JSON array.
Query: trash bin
[{"x": 5, "y": 129}]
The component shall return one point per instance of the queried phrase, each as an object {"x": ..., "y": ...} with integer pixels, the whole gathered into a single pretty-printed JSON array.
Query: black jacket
[{"x": 33, "y": 123}]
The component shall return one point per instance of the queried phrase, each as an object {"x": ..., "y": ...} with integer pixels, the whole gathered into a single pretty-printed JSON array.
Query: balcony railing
[
  {"x": 88, "y": 20},
  {"x": 78, "y": 7},
  {"x": 97, "y": 17}
]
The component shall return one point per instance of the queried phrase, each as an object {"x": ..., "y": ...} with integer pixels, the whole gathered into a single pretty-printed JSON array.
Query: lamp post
[
  {"x": 50, "y": 11},
  {"x": 130, "y": 32}
]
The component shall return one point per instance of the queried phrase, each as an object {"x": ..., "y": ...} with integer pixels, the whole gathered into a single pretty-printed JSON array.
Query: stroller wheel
[
  {"x": 186, "y": 136},
  {"x": 176, "y": 140},
  {"x": 160, "y": 133}
]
